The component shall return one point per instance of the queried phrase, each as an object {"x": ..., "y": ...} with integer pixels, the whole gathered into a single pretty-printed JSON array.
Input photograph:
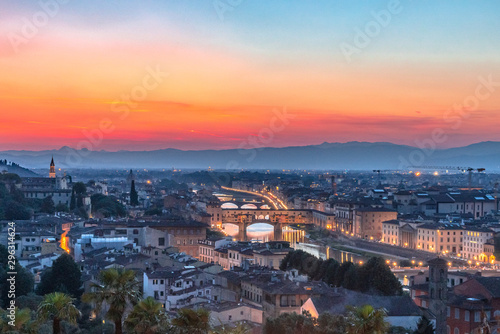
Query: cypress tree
[
  {"x": 72, "y": 204},
  {"x": 134, "y": 197}
]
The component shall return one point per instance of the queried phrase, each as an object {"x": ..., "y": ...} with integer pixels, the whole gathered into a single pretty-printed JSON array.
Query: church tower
[
  {"x": 438, "y": 292},
  {"x": 52, "y": 173}
]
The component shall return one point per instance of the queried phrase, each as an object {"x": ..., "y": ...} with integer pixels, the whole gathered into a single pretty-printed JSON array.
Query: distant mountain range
[{"x": 331, "y": 156}]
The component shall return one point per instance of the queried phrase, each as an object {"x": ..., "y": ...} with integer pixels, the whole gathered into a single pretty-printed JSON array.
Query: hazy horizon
[{"x": 233, "y": 148}]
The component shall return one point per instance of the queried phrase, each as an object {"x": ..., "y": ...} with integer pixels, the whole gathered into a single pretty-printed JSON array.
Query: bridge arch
[
  {"x": 231, "y": 229},
  {"x": 229, "y": 205},
  {"x": 260, "y": 230},
  {"x": 249, "y": 206}
]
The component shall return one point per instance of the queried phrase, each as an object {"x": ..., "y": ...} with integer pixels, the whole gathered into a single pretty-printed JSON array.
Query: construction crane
[
  {"x": 463, "y": 169},
  {"x": 378, "y": 171}
]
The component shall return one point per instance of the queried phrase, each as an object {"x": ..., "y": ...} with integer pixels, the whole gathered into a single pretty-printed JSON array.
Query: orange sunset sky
[{"x": 229, "y": 68}]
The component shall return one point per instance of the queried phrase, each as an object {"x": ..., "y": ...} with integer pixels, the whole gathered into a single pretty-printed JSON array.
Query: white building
[
  {"x": 391, "y": 232},
  {"x": 207, "y": 248},
  {"x": 89, "y": 240},
  {"x": 473, "y": 243},
  {"x": 178, "y": 289}
]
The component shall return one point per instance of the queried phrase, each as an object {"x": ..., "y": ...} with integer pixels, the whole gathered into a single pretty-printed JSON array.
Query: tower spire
[{"x": 52, "y": 172}]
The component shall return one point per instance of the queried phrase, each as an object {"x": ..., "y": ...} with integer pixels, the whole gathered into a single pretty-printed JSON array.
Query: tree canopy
[
  {"x": 48, "y": 205},
  {"x": 13, "y": 205},
  {"x": 372, "y": 277},
  {"x": 424, "y": 326},
  {"x": 63, "y": 276},
  {"x": 107, "y": 206},
  {"x": 293, "y": 323},
  {"x": 147, "y": 317},
  {"x": 366, "y": 320},
  {"x": 118, "y": 289},
  {"x": 190, "y": 321},
  {"x": 79, "y": 188},
  {"x": 24, "y": 279},
  {"x": 58, "y": 307},
  {"x": 134, "y": 197}
]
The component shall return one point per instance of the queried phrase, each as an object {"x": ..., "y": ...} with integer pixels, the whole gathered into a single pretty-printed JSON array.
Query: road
[
  {"x": 391, "y": 252},
  {"x": 271, "y": 198}
]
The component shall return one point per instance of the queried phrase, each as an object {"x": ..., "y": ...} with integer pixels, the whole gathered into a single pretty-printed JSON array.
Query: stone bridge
[
  {"x": 244, "y": 205},
  {"x": 277, "y": 218}
]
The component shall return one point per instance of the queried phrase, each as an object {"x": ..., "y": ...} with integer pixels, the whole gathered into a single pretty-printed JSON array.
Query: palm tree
[
  {"x": 225, "y": 329},
  {"x": 192, "y": 321},
  {"x": 22, "y": 324},
  {"x": 366, "y": 320},
  {"x": 117, "y": 289},
  {"x": 424, "y": 326},
  {"x": 147, "y": 317},
  {"x": 58, "y": 306}
]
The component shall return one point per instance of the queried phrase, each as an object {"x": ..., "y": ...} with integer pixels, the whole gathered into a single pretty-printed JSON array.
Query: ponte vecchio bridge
[{"x": 243, "y": 218}]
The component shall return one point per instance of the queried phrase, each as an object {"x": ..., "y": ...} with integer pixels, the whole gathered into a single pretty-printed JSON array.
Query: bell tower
[
  {"x": 52, "y": 173},
  {"x": 438, "y": 292}
]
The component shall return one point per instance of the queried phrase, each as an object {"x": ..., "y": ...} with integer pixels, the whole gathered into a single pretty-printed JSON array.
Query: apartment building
[
  {"x": 440, "y": 238},
  {"x": 475, "y": 244},
  {"x": 368, "y": 221}
]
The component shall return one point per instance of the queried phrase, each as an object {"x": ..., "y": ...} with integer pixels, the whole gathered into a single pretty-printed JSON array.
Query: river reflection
[
  {"x": 255, "y": 233},
  {"x": 324, "y": 253},
  {"x": 342, "y": 256}
]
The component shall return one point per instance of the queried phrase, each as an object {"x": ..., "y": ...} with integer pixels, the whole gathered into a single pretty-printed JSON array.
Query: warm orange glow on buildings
[{"x": 64, "y": 242}]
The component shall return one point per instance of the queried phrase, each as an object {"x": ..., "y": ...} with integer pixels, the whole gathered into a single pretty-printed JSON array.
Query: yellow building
[
  {"x": 440, "y": 238},
  {"x": 368, "y": 222}
]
